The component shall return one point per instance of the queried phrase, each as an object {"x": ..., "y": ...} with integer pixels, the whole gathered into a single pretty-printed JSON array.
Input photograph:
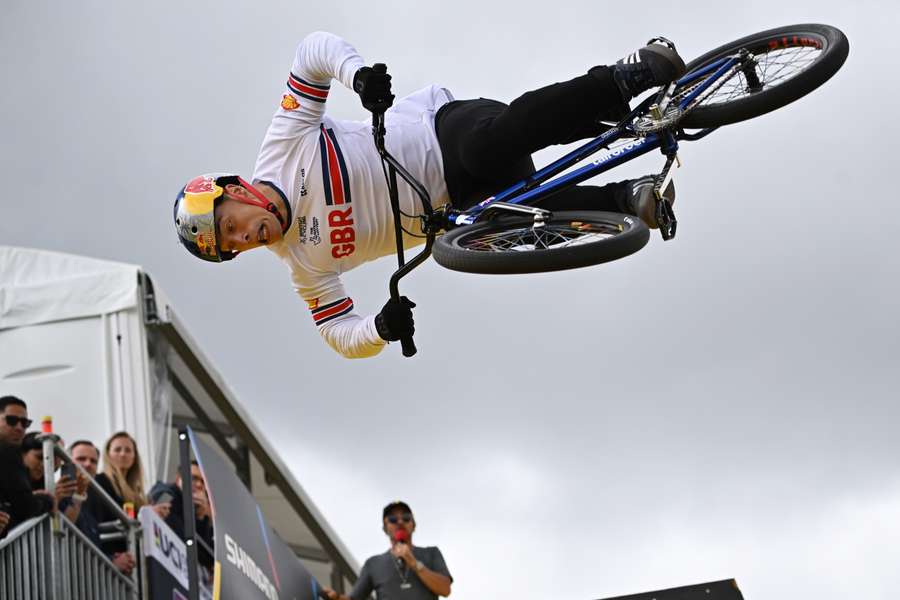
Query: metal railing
[
  {"x": 86, "y": 573},
  {"x": 49, "y": 558},
  {"x": 24, "y": 558},
  {"x": 41, "y": 560}
]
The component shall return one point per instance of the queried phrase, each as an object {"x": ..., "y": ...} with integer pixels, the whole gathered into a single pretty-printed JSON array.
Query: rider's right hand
[
  {"x": 395, "y": 321},
  {"x": 373, "y": 84}
]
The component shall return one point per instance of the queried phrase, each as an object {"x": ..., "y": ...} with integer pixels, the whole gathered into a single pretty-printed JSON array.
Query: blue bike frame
[{"x": 537, "y": 186}]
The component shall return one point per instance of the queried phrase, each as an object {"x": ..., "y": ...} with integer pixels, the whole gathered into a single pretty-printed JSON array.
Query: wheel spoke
[
  {"x": 548, "y": 237},
  {"x": 774, "y": 68}
]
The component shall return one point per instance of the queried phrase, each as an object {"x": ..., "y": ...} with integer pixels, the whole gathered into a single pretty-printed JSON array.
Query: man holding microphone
[{"x": 405, "y": 571}]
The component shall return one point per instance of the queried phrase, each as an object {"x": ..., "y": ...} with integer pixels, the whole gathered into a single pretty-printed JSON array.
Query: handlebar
[{"x": 394, "y": 167}]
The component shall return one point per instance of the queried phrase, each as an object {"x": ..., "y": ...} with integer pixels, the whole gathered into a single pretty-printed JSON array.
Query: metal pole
[
  {"x": 137, "y": 572},
  {"x": 187, "y": 503},
  {"x": 48, "y": 442}
]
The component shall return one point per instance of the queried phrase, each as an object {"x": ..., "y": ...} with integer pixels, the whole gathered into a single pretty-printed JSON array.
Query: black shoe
[
  {"x": 640, "y": 201},
  {"x": 651, "y": 66}
]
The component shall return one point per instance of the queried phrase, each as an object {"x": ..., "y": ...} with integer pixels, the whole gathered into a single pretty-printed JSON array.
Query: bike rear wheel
[
  {"x": 792, "y": 61},
  {"x": 567, "y": 240}
]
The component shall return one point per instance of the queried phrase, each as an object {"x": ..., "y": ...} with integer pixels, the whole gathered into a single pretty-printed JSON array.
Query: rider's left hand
[{"x": 373, "y": 84}]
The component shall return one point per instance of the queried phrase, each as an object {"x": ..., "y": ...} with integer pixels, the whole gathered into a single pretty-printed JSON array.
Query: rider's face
[{"x": 241, "y": 226}]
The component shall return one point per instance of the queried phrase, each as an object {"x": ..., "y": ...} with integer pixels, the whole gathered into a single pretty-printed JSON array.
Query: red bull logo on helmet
[
  {"x": 200, "y": 195},
  {"x": 199, "y": 185}
]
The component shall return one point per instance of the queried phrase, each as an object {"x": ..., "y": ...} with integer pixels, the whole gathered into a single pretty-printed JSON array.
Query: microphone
[{"x": 401, "y": 536}]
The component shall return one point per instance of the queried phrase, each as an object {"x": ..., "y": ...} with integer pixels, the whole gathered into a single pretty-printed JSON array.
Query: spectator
[
  {"x": 87, "y": 455},
  {"x": 33, "y": 459},
  {"x": 122, "y": 479},
  {"x": 404, "y": 571},
  {"x": 66, "y": 488},
  {"x": 168, "y": 502},
  {"x": 15, "y": 489},
  {"x": 123, "y": 475}
]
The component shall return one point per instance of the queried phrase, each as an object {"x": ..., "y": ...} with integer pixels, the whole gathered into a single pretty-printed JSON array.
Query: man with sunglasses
[
  {"x": 404, "y": 572},
  {"x": 15, "y": 489}
]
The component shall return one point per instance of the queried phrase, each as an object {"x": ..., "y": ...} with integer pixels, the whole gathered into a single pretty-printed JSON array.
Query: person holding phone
[{"x": 70, "y": 487}]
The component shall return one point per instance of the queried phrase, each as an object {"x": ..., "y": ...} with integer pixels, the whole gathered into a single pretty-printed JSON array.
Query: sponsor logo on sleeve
[{"x": 288, "y": 102}]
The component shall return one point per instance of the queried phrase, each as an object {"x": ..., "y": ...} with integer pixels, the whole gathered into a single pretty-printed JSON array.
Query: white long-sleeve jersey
[{"x": 331, "y": 175}]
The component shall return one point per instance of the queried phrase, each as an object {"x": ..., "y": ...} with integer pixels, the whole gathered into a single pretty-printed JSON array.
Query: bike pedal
[{"x": 665, "y": 218}]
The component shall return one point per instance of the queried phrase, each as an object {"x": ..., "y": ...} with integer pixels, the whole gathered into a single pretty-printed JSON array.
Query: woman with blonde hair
[
  {"x": 123, "y": 479},
  {"x": 123, "y": 474}
]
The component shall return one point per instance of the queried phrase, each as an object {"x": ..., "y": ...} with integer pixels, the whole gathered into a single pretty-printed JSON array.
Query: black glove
[
  {"x": 395, "y": 320},
  {"x": 373, "y": 84}
]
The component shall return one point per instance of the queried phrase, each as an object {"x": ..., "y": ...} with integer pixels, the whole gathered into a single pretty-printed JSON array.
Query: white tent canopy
[
  {"x": 37, "y": 286},
  {"x": 97, "y": 346}
]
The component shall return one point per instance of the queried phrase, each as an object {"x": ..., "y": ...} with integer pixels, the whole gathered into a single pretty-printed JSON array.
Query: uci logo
[{"x": 169, "y": 549}]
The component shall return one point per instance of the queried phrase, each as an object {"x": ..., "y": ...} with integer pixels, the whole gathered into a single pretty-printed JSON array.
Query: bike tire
[
  {"x": 826, "y": 46},
  {"x": 509, "y": 245}
]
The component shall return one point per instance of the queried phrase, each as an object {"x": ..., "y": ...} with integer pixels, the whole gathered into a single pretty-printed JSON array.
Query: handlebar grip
[
  {"x": 379, "y": 68},
  {"x": 409, "y": 347}
]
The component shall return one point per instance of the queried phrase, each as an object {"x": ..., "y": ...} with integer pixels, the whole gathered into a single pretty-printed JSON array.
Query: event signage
[
  {"x": 161, "y": 544},
  {"x": 251, "y": 561}
]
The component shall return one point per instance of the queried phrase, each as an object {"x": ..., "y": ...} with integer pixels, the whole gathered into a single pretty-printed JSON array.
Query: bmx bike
[{"x": 505, "y": 234}]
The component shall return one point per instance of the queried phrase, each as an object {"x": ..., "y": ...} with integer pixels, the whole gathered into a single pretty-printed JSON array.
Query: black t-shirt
[{"x": 15, "y": 488}]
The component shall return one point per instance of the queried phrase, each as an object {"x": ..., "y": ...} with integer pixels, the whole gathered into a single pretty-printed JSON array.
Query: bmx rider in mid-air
[{"x": 318, "y": 199}]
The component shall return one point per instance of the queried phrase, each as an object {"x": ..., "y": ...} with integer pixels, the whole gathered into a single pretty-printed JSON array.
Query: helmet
[{"x": 194, "y": 213}]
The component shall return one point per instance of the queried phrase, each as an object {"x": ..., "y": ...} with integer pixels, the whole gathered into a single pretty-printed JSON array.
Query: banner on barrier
[
  {"x": 162, "y": 545},
  {"x": 251, "y": 560}
]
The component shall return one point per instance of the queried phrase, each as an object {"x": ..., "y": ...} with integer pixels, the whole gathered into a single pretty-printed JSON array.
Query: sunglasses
[
  {"x": 13, "y": 420},
  {"x": 394, "y": 519}
]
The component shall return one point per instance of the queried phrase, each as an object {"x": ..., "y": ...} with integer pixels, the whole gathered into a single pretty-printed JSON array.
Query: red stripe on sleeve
[
  {"x": 309, "y": 90},
  {"x": 333, "y": 310}
]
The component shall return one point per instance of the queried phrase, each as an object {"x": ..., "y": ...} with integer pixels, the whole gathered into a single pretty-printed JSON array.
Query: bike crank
[{"x": 665, "y": 215}]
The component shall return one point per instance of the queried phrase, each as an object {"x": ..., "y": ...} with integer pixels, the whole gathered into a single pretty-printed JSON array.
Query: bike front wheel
[
  {"x": 567, "y": 240},
  {"x": 791, "y": 62}
]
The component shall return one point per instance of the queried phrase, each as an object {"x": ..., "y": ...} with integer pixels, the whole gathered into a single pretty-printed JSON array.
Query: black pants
[{"x": 487, "y": 145}]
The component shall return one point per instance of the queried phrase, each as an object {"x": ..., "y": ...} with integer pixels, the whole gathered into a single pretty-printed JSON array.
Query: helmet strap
[{"x": 262, "y": 202}]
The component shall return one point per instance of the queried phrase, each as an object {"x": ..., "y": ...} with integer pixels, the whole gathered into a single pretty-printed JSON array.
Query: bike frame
[
  {"x": 540, "y": 185},
  {"x": 533, "y": 188}
]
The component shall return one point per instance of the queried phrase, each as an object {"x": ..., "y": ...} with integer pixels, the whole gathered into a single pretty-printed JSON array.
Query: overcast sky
[{"x": 721, "y": 405}]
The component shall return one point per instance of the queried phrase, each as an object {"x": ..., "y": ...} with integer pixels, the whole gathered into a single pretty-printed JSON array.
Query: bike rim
[
  {"x": 552, "y": 236},
  {"x": 779, "y": 59}
]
